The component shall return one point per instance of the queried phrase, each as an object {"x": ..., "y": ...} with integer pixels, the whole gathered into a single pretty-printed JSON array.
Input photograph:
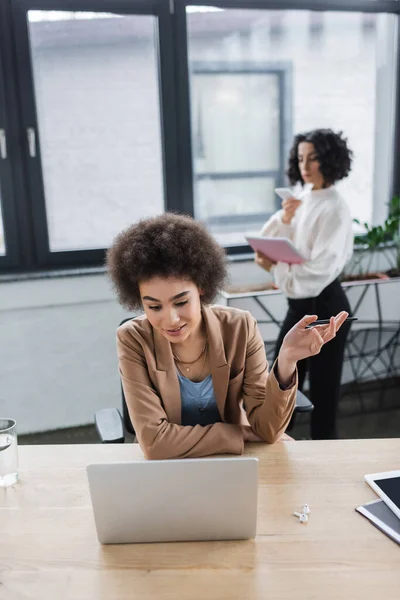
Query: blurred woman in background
[{"x": 320, "y": 227}]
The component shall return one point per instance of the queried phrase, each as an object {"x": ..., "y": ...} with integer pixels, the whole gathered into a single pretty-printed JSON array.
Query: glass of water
[{"x": 8, "y": 452}]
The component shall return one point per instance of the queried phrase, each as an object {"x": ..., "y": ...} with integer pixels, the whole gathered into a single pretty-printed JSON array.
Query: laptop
[{"x": 174, "y": 500}]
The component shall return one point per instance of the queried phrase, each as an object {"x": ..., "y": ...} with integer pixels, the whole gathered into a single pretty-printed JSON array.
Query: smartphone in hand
[{"x": 284, "y": 193}]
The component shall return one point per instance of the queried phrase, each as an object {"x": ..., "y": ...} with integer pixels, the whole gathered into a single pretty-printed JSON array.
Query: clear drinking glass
[{"x": 8, "y": 452}]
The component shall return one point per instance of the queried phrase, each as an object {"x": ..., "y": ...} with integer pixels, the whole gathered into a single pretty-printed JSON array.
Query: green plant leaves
[{"x": 379, "y": 235}]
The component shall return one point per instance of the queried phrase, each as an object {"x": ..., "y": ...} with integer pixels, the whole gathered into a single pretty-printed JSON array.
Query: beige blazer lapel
[
  {"x": 167, "y": 378},
  {"x": 220, "y": 370}
]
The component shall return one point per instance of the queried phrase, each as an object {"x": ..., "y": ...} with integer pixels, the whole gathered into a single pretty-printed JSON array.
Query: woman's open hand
[
  {"x": 263, "y": 261},
  {"x": 300, "y": 343}
]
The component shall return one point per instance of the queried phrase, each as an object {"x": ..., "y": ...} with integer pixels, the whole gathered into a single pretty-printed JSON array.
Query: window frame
[
  {"x": 283, "y": 72},
  {"x": 45, "y": 258},
  {"x": 23, "y": 203},
  {"x": 11, "y": 258},
  {"x": 183, "y": 84}
]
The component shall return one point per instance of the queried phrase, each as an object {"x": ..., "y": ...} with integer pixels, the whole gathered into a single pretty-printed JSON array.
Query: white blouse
[{"x": 321, "y": 230}]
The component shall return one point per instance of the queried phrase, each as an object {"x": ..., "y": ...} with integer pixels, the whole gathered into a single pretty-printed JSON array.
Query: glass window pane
[
  {"x": 231, "y": 112},
  {"x": 97, "y": 99},
  {"x": 333, "y": 59},
  {"x": 234, "y": 204},
  {"x": 234, "y": 197}
]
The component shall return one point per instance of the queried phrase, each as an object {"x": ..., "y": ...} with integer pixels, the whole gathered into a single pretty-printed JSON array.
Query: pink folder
[{"x": 276, "y": 249}]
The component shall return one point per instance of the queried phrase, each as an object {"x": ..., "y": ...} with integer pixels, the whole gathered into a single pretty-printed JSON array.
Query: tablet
[
  {"x": 276, "y": 249},
  {"x": 382, "y": 517},
  {"x": 387, "y": 486}
]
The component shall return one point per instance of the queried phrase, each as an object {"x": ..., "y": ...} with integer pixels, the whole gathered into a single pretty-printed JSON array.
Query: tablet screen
[{"x": 390, "y": 487}]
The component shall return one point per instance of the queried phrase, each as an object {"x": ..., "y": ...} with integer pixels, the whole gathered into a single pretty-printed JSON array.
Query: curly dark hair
[
  {"x": 334, "y": 156},
  {"x": 169, "y": 245}
]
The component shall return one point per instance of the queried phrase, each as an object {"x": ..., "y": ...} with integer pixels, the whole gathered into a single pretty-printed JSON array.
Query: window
[
  {"x": 236, "y": 165},
  {"x": 112, "y": 113},
  {"x": 98, "y": 107},
  {"x": 334, "y": 60}
]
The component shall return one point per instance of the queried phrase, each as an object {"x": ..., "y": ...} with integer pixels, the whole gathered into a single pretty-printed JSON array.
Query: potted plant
[
  {"x": 378, "y": 244},
  {"x": 393, "y": 228}
]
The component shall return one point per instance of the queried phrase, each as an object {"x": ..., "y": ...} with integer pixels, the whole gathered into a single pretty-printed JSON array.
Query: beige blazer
[{"x": 240, "y": 376}]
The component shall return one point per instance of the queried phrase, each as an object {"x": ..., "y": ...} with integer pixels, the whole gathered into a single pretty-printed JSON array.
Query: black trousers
[{"x": 324, "y": 369}]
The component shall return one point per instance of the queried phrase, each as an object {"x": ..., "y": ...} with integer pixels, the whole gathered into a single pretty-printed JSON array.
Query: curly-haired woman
[
  {"x": 195, "y": 376},
  {"x": 320, "y": 226}
]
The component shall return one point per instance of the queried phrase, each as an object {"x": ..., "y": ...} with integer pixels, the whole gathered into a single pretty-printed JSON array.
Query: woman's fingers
[
  {"x": 286, "y": 438},
  {"x": 291, "y": 203},
  {"x": 340, "y": 319},
  {"x": 259, "y": 259},
  {"x": 330, "y": 331},
  {"x": 290, "y": 206},
  {"x": 317, "y": 341},
  {"x": 306, "y": 320},
  {"x": 263, "y": 261}
]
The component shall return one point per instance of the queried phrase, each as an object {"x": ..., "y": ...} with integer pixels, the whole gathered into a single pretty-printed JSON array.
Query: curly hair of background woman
[{"x": 333, "y": 154}]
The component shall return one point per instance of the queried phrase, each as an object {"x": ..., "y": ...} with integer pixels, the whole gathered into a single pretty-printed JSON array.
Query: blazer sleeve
[
  {"x": 268, "y": 407},
  {"x": 158, "y": 438}
]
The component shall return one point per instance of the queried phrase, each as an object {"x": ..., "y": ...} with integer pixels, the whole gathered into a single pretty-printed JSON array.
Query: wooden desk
[{"x": 49, "y": 549}]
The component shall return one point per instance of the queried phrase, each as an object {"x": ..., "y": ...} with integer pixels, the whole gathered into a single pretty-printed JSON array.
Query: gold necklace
[
  {"x": 199, "y": 377},
  {"x": 191, "y": 362}
]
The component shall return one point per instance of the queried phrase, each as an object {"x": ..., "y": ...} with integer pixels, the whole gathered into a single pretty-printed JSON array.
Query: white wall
[
  {"x": 57, "y": 347},
  {"x": 57, "y": 351}
]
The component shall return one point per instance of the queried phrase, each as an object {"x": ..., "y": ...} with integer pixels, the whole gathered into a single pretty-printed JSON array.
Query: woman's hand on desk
[
  {"x": 264, "y": 262},
  {"x": 286, "y": 438},
  {"x": 289, "y": 208},
  {"x": 249, "y": 435},
  {"x": 299, "y": 344}
]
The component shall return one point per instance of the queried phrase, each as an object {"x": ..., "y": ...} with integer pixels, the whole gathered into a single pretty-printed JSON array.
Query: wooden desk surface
[{"x": 49, "y": 549}]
